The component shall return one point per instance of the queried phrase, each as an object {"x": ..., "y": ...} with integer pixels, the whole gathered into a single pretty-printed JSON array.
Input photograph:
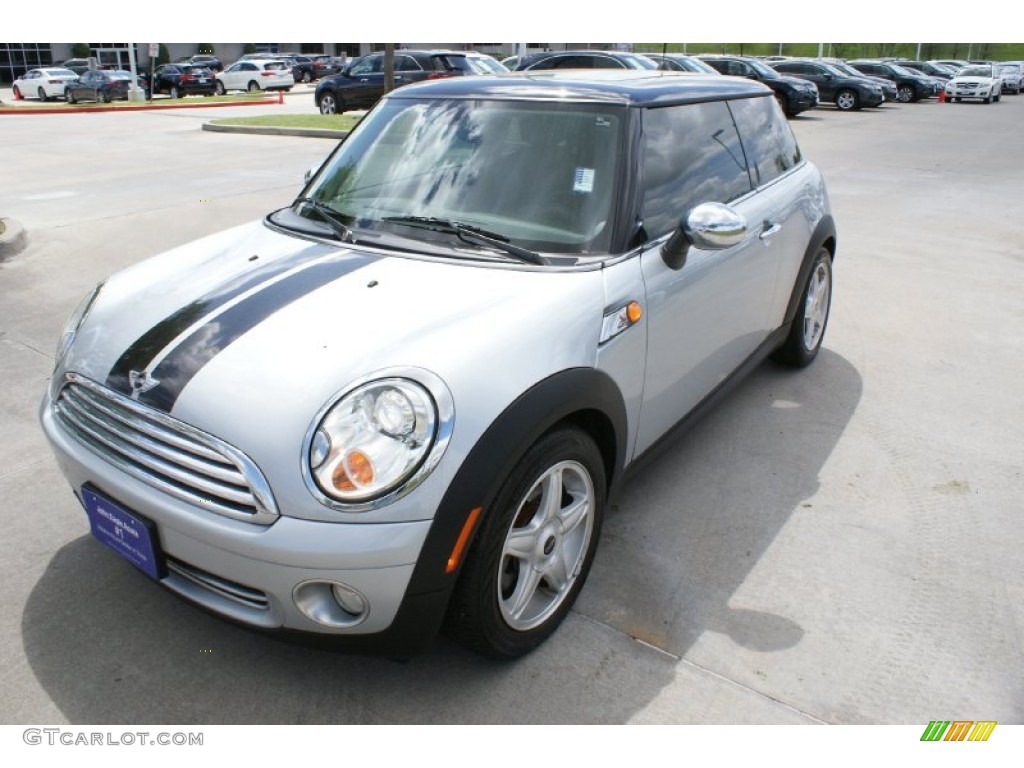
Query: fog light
[
  {"x": 351, "y": 602},
  {"x": 331, "y": 603}
]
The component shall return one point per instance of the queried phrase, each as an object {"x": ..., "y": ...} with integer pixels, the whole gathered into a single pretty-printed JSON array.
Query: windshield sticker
[{"x": 584, "y": 181}]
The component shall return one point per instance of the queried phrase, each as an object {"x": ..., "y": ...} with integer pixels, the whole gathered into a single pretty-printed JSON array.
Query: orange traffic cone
[{"x": 942, "y": 96}]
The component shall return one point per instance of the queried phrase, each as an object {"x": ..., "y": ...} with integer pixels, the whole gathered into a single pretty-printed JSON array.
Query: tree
[
  {"x": 81, "y": 51},
  {"x": 163, "y": 56},
  {"x": 249, "y": 48}
]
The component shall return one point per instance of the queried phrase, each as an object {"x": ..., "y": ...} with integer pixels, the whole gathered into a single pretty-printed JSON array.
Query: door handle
[
  {"x": 364, "y": 79},
  {"x": 769, "y": 230}
]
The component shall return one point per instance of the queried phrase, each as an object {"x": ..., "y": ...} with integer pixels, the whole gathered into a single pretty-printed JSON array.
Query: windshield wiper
[
  {"x": 467, "y": 233},
  {"x": 329, "y": 216}
]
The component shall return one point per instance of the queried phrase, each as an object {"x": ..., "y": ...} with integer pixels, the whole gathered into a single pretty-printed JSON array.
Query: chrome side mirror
[
  {"x": 710, "y": 226},
  {"x": 714, "y": 226}
]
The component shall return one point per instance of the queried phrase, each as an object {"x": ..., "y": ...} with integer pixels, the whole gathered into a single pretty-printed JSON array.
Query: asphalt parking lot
[{"x": 840, "y": 545}]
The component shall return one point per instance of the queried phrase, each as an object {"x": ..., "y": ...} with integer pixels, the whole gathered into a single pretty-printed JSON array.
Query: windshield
[
  {"x": 975, "y": 72},
  {"x": 904, "y": 71},
  {"x": 483, "y": 65},
  {"x": 762, "y": 69},
  {"x": 639, "y": 62},
  {"x": 541, "y": 175}
]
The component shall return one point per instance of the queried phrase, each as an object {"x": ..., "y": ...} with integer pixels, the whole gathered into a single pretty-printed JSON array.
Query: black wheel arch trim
[
  {"x": 585, "y": 396},
  {"x": 824, "y": 235}
]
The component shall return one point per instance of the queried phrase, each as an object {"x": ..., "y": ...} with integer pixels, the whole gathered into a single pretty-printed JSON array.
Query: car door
[
  {"x": 706, "y": 317},
  {"x": 805, "y": 71},
  {"x": 365, "y": 82}
]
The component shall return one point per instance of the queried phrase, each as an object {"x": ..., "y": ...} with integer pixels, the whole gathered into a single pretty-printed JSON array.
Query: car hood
[
  {"x": 971, "y": 79},
  {"x": 253, "y": 322}
]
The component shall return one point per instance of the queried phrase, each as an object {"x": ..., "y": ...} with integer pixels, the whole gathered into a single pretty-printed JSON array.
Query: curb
[
  {"x": 133, "y": 108},
  {"x": 13, "y": 239},
  {"x": 269, "y": 130}
]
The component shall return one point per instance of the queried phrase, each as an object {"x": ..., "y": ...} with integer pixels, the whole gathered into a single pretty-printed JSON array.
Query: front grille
[
  {"x": 165, "y": 453},
  {"x": 229, "y": 590}
]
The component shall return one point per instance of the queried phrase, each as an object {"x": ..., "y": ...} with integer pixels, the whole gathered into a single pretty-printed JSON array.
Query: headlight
[
  {"x": 74, "y": 323},
  {"x": 377, "y": 438}
]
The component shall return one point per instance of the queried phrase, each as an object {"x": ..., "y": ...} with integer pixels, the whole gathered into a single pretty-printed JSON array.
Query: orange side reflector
[{"x": 460, "y": 543}]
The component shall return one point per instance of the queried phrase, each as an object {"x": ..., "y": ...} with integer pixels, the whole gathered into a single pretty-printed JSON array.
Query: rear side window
[
  {"x": 769, "y": 143},
  {"x": 692, "y": 155}
]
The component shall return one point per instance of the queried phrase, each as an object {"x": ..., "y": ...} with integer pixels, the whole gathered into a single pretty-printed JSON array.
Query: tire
[
  {"x": 847, "y": 100},
  {"x": 905, "y": 94},
  {"x": 253, "y": 86},
  {"x": 103, "y": 97},
  {"x": 804, "y": 340},
  {"x": 329, "y": 105},
  {"x": 69, "y": 97},
  {"x": 782, "y": 104},
  {"x": 42, "y": 94},
  {"x": 175, "y": 92},
  {"x": 307, "y": 77},
  {"x": 531, "y": 557},
  {"x": 987, "y": 100},
  {"x": 997, "y": 98},
  {"x": 957, "y": 99},
  {"x": 221, "y": 90},
  {"x": 17, "y": 93}
]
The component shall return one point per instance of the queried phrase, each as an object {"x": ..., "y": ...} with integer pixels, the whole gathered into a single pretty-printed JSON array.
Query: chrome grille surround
[{"x": 162, "y": 451}]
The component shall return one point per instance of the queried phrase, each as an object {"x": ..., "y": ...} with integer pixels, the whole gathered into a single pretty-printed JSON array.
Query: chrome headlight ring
[{"x": 377, "y": 439}]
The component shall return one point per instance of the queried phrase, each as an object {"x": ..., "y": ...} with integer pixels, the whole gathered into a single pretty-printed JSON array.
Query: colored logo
[{"x": 958, "y": 730}]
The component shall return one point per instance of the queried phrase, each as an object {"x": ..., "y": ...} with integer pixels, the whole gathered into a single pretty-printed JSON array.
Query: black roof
[{"x": 633, "y": 87}]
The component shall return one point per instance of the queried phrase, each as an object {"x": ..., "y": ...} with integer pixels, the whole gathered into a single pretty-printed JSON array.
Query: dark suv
[
  {"x": 361, "y": 84},
  {"x": 910, "y": 85},
  {"x": 179, "y": 80},
  {"x": 844, "y": 91},
  {"x": 585, "y": 60},
  {"x": 794, "y": 94}
]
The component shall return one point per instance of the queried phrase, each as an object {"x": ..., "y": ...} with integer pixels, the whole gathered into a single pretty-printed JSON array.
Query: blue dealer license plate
[{"x": 124, "y": 532}]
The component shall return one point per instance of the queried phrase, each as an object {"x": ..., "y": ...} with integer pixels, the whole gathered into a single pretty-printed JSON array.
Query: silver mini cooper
[{"x": 402, "y": 402}]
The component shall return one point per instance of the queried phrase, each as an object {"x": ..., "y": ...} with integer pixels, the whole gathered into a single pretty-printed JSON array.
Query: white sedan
[
  {"x": 44, "y": 84},
  {"x": 977, "y": 81},
  {"x": 256, "y": 75}
]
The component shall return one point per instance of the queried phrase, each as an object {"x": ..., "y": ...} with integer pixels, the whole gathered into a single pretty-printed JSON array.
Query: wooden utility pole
[{"x": 389, "y": 67}]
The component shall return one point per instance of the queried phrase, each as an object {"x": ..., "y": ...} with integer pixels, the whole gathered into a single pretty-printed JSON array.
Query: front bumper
[
  {"x": 872, "y": 99},
  {"x": 800, "y": 101},
  {"x": 979, "y": 92},
  {"x": 247, "y": 572}
]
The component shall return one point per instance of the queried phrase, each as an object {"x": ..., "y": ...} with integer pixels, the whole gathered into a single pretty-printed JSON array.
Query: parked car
[
  {"x": 1019, "y": 65},
  {"x": 324, "y": 65},
  {"x": 78, "y": 66},
  {"x": 910, "y": 85},
  {"x": 361, "y": 84},
  {"x": 1011, "y": 77},
  {"x": 102, "y": 85},
  {"x": 846, "y": 92},
  {"x": 404, "y": 399},
  {"x": 975, "y": 81},
  {"x": 794, "y": 94},
  {"x": 179, "y": 80},
  {"x": 302, "y": 68},
  {"x": 678, "y": 62},
  {"x": 955, "y": 64},
  {"x": 208, "y": 61},
  {"x": 256, "y": 75},
  {"x": 888, "y": 86},
  {"x": 927, "y": 68},
  {"x": 584, "y": 60},
  {"x": 44, "y": 84}
]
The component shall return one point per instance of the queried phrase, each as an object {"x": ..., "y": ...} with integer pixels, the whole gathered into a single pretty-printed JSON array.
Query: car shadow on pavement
[
  {"x": 689, "y": 527},
  {"x": 108, "y": 647}
]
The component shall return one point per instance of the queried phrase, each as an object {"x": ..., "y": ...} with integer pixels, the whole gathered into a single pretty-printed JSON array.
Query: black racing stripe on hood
[
  {"x": 144, "y": 349},
  {"x": 179, "y": 367}
]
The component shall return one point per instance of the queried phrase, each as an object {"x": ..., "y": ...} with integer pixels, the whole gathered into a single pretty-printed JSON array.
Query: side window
[
  {"x": 692, "y": 155},
  {"x": 605, "y": 62},
  {"x": 770, "y": 146},
  {"x": 364, "y": 66},
  {"x": 406, "y": 64}
]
